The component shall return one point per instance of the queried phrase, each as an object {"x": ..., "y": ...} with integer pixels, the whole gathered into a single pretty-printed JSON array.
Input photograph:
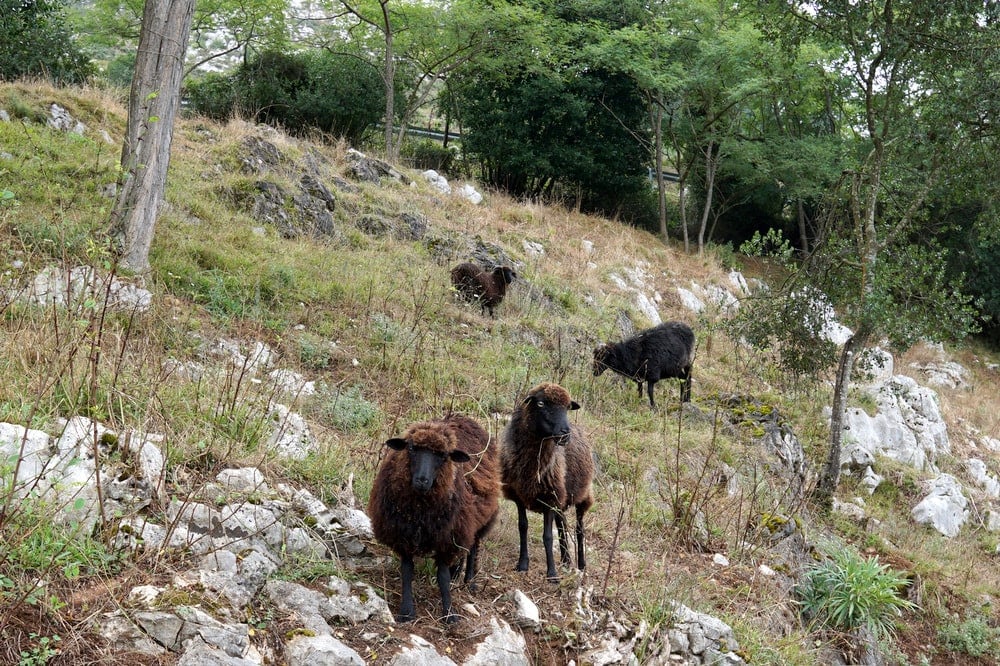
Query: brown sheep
[
  {"x": 436, "y": 493},
  {"x": 478, "y": 286},
  {"x": 547, "y": 466}
]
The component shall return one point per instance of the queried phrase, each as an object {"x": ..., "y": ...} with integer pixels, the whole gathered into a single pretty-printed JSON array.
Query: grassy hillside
[{"x": 375, "y": 323}]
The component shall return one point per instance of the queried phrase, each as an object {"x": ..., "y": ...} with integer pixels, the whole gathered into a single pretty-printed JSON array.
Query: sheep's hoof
[
  {"x": 522, "y": 565},
  {"x": 406, "y": 617},
  {"x": 552, "y": 577},
  {"x": 450, "y": 618}
]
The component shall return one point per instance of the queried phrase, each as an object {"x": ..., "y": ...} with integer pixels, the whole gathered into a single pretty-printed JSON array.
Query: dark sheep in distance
[
  {"x": 661, "y": 352},
  {"x": 436, "y": 493},
  {"x": 547, "y": 466},
  {"x": 476, "y": 285}
]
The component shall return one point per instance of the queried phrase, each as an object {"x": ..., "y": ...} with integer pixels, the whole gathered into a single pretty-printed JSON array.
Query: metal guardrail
[{"x": 668, "y": 176}]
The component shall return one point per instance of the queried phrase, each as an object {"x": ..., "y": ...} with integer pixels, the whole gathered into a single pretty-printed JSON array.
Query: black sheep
[
  {"x": 664, "y": 351},
  {"x": 436, "y": 493},
  {"x": 476, "y": 285},
  {"x": 547, "y": 466}
]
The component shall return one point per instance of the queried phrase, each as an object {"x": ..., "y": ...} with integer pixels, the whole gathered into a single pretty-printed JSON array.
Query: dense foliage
[
  {"x": 337, "y": 94},
  {"x": 542, "y": 135},
  {"x": 36, "y": 40}
]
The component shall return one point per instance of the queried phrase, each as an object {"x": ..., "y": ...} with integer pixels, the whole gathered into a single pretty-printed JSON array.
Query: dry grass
[{"x": 413, "y": 351}]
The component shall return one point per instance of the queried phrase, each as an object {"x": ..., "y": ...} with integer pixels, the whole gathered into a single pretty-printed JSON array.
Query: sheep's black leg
[
  {"x": 406, "y": 610},
  {"x": 471, "y": 563},
  {"x": 444, "y": 586},
  {"x": 638, "y": 383},
  {"x": 580, "y": 561},
  {"x": 649, "y": 390},
  {"x": 686, "y": 386},
  {"x": 563, "y": 541},
  {"x": 522, "y": 528},
  {"x": 550, "y": 560}
]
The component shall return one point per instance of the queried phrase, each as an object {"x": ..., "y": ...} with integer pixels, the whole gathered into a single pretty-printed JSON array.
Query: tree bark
[
  {"x": 153, "y": 103},
  {"x": 711, "y": 165},
  {"x": 661, "y": 186},
  {"x": 830, "y": 477},
  {"x": 389, "y": 80},
  {"x": 803, "y": 232}
]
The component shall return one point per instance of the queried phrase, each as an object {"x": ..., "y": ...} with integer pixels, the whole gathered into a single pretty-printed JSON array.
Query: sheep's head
[
  {"x": 600, "y": 359},
  {"x": 429, "y": 449},
  {"x": 547, "y": 407},
  {"x": 506, "y": 274}
]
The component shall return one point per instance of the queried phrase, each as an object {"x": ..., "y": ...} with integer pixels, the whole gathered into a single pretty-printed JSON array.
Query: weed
[
  {"x": 345, "y": 409},
  {"x": 41, "y": 653},
  {"x": 972, "y": 636},
  {"x": 848, "y": 592}
]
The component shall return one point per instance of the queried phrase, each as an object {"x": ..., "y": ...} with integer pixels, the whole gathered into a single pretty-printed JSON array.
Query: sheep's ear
[
  {"x": 396, "y": 444},
  {"x": 573, "y": 404},
  {"x": 459, "y": 456},
  {"x": 528, "y": 399}
]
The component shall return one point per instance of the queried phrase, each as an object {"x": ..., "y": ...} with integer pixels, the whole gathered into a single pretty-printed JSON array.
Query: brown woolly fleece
[
  {"x": 547, "y": 466},
  {"x": 459, "y": 508},
  {"x": 536, "y": 470},
  {"x": 479, "y": 286}
]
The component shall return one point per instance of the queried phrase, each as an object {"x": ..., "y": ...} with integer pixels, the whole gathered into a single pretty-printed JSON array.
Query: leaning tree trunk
[
  {"x": 830, "y": 478},
  {"x": 153, "y": 103}
]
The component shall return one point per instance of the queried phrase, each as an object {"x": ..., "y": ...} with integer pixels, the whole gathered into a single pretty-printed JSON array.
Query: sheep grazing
[
  {"x": 666, "y": 350},
  {"x": 436, "y": 493},
  {"x": 476, "y": 285},
  {"x": 547, "y": 466}
]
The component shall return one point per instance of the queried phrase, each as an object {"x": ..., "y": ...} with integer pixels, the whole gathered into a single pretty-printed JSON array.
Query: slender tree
[
  {"x": 153, "y": 102},
  {"x": 879, "y": 259}
]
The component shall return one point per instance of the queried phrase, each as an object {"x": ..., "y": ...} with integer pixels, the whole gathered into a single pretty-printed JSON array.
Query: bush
[
  {"x": 337, "y": 94},
  {"x": 346, "y": 409},
  {"x": 342, "y": 95},
  {"x": 35, "y": 40},
  {"x": 428, "y": 154},
  {"x": 848, "y": 592},
  {"x": 212, "y": 95},
  {"x": 119, "y": 71},
  {"x": 972, "y": 636}
]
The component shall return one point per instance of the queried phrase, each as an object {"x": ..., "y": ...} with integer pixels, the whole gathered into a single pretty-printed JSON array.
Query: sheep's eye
[{"x": 540, "y": 403}]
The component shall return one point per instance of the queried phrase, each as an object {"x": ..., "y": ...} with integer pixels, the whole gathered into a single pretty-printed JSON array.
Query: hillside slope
[{"x": 352, "y": 295}]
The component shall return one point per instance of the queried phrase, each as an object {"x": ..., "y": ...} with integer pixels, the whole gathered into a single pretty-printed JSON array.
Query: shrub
[
  {"x": 36, "y": 40},
  {"x": 848, "y": 592},
  {"x": 338, "y": 94},
  {"x": 212, "y": 95},
  {"x": 429, "y": 154},
  {"x": 972, "y": 636},
  {"x": 119, "y": 70},
  {"x": 346, "y": 409}
]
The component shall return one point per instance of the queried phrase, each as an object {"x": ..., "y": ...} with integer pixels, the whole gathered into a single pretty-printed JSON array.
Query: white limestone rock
[
  {"x": 945, "y": 508},
  {"x": 907, "y": 427}
]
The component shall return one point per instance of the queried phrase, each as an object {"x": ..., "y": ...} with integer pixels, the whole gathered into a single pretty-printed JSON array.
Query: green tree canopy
[{"x": 543, "y": 116}]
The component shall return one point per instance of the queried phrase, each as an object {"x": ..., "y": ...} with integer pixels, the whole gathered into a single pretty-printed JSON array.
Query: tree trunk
[
  {"x": 830, "y": 478},
  {"x": 711, "y": 165},
  {"x": 389, "y": 79},
  {"x": 803, "y": 232},
  {"x": 661, "y": 187},
  {"x": 153, "y": 103}
]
